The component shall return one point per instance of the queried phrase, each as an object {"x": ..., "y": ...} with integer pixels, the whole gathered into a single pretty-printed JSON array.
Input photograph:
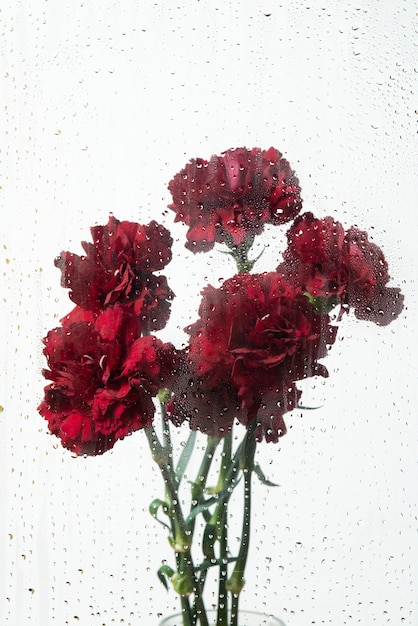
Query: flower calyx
[
  {"x": 163, "y": 395},
  {"x": 323, "y": 305}
]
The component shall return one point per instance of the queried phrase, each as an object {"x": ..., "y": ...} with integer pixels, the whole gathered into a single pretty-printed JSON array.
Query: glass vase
[{"x": 246, "y": 618}]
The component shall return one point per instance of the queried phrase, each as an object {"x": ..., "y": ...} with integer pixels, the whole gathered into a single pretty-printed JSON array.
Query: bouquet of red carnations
[{"x": 255, "y": 338}]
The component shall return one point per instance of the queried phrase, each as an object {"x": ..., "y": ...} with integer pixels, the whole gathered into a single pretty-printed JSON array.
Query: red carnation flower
[
  {"x": 104, "y": 375},
  {"x": 256, "y": 336},
  {"x": 118, "y": 267},
  {"x": 213, "y": 411},
  {"x": 328, "y": 262},
  {"x": 229, "y": 198},
  {"x": 210, "y": 411}
]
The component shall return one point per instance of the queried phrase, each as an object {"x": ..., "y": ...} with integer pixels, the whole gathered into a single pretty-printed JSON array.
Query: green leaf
[
  {"x": 155, "y": 506},
  {"x": 309, "y": 408},
  {"x": 207, "y": 564},
  {"x": 260, "y": 474},
  {"x": 185, "y": 455},
  {"x": 220, "y": 497},
  {"x": 203, "y": 506},
  {"x": 165, "y": 572}
]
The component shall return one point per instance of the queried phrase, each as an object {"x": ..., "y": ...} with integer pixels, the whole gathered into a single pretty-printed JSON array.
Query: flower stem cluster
[{"x": 189, "y": 578}]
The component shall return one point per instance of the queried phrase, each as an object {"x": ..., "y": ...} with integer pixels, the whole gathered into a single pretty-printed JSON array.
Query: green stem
[
  {"x": 160, "y": 456},
  {"x": 166, "y": 435},
  {"x": 234, "y": 609},
  {"x": 168, "y": 448},
  {"x": 184, "y": 600},
  {"x": 222, "y": 618},
  {"x": 186, "y": 611},
  {"x": 222, "y": 523},
  {"x": 236, "y": 582},
  {"x": 198, "y": 487}
]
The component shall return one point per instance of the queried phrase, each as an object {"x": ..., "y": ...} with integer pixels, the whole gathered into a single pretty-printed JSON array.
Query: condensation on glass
[{"x": 100, "y": 109}]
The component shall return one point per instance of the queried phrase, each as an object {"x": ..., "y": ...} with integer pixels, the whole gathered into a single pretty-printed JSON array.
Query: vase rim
[{"x": 273, "y": 620}]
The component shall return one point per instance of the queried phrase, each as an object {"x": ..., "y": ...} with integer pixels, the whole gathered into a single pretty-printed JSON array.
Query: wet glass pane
[{"x": 101, "y": 108}]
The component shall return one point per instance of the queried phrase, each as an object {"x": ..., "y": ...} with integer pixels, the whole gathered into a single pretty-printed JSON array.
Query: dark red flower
[
  {"x": 229, "y": 198},
  {"x": 256, "y": 336},
  {"x": 211, "y": 411},
  {"x": 104, "y": 376},
  {"x": 328, "y": 262},
  {"x": 118, "y": 267}
]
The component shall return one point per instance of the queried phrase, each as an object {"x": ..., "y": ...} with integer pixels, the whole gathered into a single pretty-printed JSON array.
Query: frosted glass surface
[{"x": 101, "y": 105}]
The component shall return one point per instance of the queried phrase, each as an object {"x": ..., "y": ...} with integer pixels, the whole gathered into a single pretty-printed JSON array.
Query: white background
[{"x": 101, "y": 104}]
